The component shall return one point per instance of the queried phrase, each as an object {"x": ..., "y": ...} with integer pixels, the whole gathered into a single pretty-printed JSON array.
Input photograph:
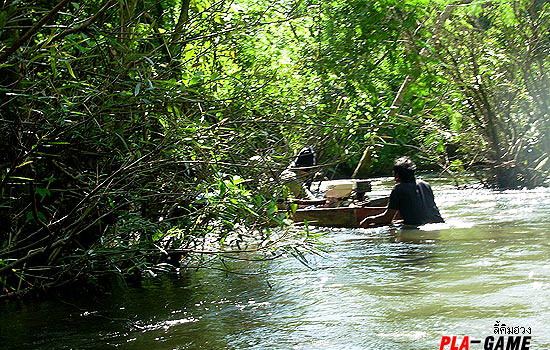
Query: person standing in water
[{"x": 412, "y": 199}]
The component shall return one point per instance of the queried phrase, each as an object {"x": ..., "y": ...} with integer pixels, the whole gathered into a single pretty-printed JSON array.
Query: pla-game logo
[{"x": 504, "y": 338}]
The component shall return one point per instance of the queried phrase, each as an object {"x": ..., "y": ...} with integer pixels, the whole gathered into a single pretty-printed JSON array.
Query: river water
[{"x": 380, "y": 288}]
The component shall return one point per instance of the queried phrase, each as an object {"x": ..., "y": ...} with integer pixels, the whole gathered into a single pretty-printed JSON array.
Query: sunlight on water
[{"x": 381, "y": 288}]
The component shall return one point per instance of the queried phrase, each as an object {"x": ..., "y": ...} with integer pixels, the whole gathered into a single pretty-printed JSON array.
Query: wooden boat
[
  {"x": 340, "y": 216},
  {"x": 315, "y": 212},
  {"x": 335, "y": 217}
]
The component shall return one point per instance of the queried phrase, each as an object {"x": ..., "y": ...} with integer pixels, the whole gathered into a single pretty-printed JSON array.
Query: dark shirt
[{"x": 415, "y": 202}]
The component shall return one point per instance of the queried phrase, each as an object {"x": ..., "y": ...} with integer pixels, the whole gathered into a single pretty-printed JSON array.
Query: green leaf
[
  {"x": 137, "y": 88},
  {"x": 30, "y": 216},
  {"x": 507, "y": 14},
  {"x": 21, "y": 178},
  {"x": 541, "y": 164},
  {"x": 42, "y": 192},
  {"x": 24, "y": 163},
  {"x": 70, "y": 69}
]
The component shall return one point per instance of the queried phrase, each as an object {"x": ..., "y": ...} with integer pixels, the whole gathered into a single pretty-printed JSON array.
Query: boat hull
[{"x": 335, "y": 217}]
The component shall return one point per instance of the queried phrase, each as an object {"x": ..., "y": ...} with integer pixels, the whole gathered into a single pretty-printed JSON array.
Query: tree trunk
[{"x": 365, "y": 162}]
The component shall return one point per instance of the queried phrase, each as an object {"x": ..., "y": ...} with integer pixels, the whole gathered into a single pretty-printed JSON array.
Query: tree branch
[
  {"x": 87, "y": 22},
  {"x": 33, "y": 30}
]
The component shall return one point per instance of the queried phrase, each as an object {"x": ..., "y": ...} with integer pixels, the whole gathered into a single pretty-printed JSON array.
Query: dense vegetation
[{"x": 130, "y": 128}]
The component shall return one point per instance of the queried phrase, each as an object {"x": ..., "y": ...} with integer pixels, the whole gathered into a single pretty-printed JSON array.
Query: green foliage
[
  {"x": 133, "y": 129},
  {"x": 120, "y": 130},
  {"x": 500, "y": 87}
]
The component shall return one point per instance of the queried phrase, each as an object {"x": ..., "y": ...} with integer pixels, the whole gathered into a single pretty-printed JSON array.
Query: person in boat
[
  {"x": 411, "y": 199},
  {"x": 298, "y": 175}
]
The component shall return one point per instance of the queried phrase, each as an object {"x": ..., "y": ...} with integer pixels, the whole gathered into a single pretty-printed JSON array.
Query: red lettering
[
  {"x": 453, "y": 343},
  {"x": 465, "y": 345},
  {"x": 445, "y": 340}
]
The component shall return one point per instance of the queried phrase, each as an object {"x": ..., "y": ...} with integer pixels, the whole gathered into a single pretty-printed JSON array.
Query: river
[{"x": 380, "y": 288}]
